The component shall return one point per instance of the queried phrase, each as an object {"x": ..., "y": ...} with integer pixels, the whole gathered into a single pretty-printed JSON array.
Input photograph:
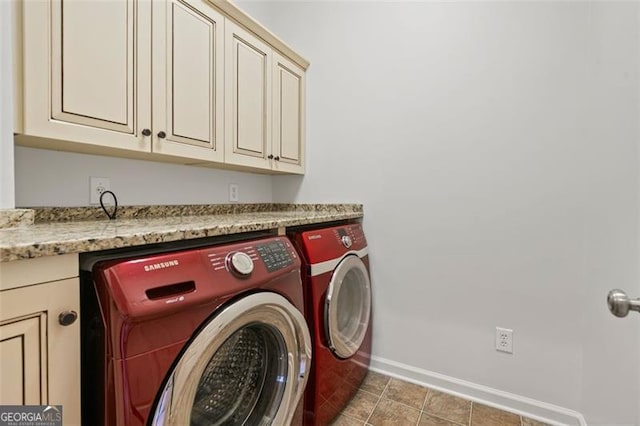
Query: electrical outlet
[
  {"x": 233, "y": 192},
  {"x": 504, "y": 340},
  {"x": 97, "y": 185}
]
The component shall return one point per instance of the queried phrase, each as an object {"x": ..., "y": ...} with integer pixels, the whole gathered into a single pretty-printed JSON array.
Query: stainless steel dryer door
[
  {"x": 247, "y": 366},
  {"x": 348, "y": 307}
]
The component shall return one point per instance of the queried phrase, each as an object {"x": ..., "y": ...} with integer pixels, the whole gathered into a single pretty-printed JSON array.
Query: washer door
[
  {"x": 348, "y": 307},
  {"x": 247, "y": 366}
]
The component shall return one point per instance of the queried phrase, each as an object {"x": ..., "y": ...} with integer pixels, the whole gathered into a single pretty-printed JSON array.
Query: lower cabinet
[
  {"x": 23, "y": 347},
  {"x": 39, "y": 355}
]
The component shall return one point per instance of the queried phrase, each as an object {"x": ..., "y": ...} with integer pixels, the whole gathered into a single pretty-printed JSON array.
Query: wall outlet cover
[
  {"x": 97, "y": 185},
  {"x": 233, "y": 192},
  {"x": 504, "y": 340}
]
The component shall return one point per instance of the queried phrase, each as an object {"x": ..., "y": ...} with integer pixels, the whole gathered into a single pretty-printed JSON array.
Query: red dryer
[
  {"x": 337, "y": 291},
  {"x": 212, "y": 335}
]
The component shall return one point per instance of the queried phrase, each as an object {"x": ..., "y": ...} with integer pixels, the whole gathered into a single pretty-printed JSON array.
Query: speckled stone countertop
[{"x": 155, "y": 224}]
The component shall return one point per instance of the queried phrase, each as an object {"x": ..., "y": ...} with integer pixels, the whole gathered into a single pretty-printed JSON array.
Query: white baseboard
[{"x": 527, "y": 407}]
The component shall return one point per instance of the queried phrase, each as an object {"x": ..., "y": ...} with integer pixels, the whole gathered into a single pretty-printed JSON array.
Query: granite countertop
[{"x": 53, "y": 234}]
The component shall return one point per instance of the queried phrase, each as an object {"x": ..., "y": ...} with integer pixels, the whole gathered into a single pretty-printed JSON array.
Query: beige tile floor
[{"x": 382, "y": 400}]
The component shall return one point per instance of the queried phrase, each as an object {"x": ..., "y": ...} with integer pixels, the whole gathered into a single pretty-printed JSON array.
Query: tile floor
[{"x": 382, "y": 400}]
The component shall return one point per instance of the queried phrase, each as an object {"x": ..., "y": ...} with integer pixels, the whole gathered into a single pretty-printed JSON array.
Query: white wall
[
  {"x": 7, "y": 197},
  {"x": 494, "y": 146},
  {"x": 52, "y": 178}
]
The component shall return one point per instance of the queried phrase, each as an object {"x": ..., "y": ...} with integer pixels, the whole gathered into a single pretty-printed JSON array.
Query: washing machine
[
  {"x": 337, "y": 290},
  {"x": 212, "y": 335}
]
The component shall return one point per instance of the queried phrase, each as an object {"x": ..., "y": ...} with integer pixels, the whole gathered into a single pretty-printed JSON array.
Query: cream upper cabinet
[
  {"x": 248, "y": 98},
  {"x": 40, "y": 357},
  {"x": 188, "y": 80},
  {"x": 87, "y": 72},
  {"x": 288, "y": 116},
  {"x": 265, "y": 105}
]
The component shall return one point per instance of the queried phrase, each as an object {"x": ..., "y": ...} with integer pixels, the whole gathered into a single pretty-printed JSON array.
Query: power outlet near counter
[
  {"x": 233, "y": 192},
  {"x": 97, "y": 185}
]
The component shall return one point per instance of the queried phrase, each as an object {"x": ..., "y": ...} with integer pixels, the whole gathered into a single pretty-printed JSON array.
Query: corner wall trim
[{"x": 521, "y": 405}]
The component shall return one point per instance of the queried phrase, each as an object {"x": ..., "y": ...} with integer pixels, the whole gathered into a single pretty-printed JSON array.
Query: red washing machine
[
  {"x": 337, "y": 291},
  {"x": 202, "y": 336}
]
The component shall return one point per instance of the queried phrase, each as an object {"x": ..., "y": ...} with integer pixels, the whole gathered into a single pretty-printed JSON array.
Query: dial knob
[
  {"x": 240, "y": 263},
  {"x": 346, "y": 241}
]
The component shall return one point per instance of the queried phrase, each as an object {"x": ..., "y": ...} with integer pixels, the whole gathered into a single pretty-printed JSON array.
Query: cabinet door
[
  {"x": 40, "y": 359},
  {"x": 288, "y": 115},
  {"x": 188, "y": 79},
  {"x": 87, "y": 71},
  {"x": 23, "y": 355},
  {"x": 248, "y": 98}
]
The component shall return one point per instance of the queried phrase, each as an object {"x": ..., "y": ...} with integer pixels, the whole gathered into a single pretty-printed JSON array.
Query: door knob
[
  {"x": 162, "y": 135},
  {"x": 620, "y": 304},
  {"x": 146, "y": 132}
]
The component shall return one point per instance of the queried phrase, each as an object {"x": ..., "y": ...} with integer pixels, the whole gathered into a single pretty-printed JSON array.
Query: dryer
[
  {"x": 337, "y": 290},
  {"x": 201, "y": 336}
]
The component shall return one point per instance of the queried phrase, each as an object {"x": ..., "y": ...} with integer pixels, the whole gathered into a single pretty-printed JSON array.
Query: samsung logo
[
  {"x": 315, "y": 237},
  {"x": 161, "y": 265}
]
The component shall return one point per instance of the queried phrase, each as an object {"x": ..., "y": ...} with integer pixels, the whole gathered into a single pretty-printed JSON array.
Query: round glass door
[
  {"x": 242, "y": 383},
  {"x": 247, "y": 366},
  {"x": 348, "y": 307}
]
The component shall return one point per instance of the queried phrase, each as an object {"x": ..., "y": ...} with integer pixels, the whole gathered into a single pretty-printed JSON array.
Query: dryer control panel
[{"x": 326, "y": 244}]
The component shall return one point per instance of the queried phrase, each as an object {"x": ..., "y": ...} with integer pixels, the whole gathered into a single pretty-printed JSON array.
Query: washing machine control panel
[
  {"x": 275, "y": 255},
  {"x": 240, "y": 263},
  {"x": 252, "y": 260}
]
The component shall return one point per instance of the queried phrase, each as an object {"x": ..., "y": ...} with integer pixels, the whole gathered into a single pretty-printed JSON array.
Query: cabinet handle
[
  {"x": 270, "y": 157},
  {"x": 277, "y": 158},
  {"x": 162, "y": 135},
  {"x": 67, "y": 318},
  {"x": 146, "y": 132}
]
